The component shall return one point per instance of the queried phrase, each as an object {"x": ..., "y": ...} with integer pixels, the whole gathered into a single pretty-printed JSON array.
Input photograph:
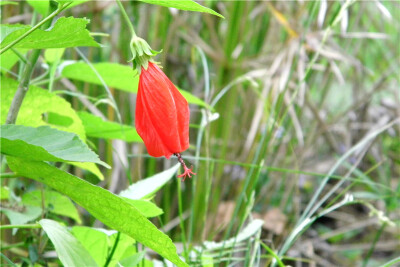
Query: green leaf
[
  {"x": 4, "y": 193},
  {"x": 6, "y": 29},
  {"x": 21, "y": 215},
  {"x": 148, "y": 187},
  {"x": 45, "y": 144},
  {"x": 54, "y": 202},
  {"x": 69, "y": 250},
  {"x": 117, "y": 76},
  {"x": 8, "y": 59},
  {"x": 99, "y": 242},
  {"x": 194, "y": 100},
  {"x": 125, "y": 242},
  {"x": 94, "y": 241},
  {"x": 92, "y": 167},
  {"x": 133, "y": 260},
  {"x": 145, "y": 207},
  {"x": 97, "y": 127},
  {"x": 114, "y": 75},
  {"x": 53, "y": 55},
  {"x": 66, "y": 32},
  {"x": 110, "y": 209},
  {"x": 24, "y": 215},
  {"x": 8, "y": 3},
  {"x": 38, "y": 104},
  {"x": 188, "y": 5},
  {"x": 42, "y": 6}
]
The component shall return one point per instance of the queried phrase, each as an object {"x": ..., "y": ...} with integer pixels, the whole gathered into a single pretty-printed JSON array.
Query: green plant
[{"x": 294, "y": 134}]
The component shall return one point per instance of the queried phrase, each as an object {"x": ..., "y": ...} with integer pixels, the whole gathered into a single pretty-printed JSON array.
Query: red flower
[{"x": 162, "y": 115}]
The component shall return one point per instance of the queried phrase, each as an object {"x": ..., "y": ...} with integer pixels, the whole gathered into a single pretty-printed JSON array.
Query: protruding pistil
[{"x": 186, "y": 171}]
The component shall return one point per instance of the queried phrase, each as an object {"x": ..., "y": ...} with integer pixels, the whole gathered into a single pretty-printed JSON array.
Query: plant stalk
[
  {"x": 22, "y": 88},
  {"x": 127, "y": 20},
  {"x": 112, "y": 250},
  {"x": 22, "y": 226},
  {"x": 30, "y": 64}
]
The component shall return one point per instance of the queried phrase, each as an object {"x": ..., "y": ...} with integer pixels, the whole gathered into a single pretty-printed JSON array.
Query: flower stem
[{"x": 126, "y": 17}]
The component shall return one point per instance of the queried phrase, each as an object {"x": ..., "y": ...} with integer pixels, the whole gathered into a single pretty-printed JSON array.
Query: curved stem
[
  {"x": 112, "y": 250},
  {"x": 126, "y": 17}
]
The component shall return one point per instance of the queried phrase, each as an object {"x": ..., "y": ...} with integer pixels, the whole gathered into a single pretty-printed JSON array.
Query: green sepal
[{"x": 141, "y": 53}]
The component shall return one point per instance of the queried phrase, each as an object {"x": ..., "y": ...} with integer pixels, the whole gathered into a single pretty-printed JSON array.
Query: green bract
[{"x": 141, "y": 53}]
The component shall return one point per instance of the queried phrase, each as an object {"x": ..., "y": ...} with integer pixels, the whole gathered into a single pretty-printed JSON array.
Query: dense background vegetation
[{"x": 294, "y": 135}]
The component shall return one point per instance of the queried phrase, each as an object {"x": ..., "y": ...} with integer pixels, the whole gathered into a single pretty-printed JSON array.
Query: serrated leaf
[
  {"x": 45, "y": 144},
  {"x": 117, "y": 76},
  {"x": 187, "y": 5},
  {"x": 66, "y": 32},
  {"x": 99, "y": 128},
  {"x": 147, "y": 187},
  {"x": 38, "y": 103},
  {"x": 55, "y": 203},
  {"x": 69, "y": 250},
  {"x": 110, "y": 209},
  {"x": 147, "y": 208}
]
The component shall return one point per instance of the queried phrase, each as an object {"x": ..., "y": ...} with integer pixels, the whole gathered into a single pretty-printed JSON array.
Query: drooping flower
[{"x": 162, "y": 115}]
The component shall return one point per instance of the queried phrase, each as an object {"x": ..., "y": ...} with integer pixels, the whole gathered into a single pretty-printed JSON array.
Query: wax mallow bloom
[{"x": 162, "y": 116}]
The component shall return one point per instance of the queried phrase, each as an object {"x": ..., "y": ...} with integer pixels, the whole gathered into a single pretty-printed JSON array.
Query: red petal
[{"x": 162, "y": 114}]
